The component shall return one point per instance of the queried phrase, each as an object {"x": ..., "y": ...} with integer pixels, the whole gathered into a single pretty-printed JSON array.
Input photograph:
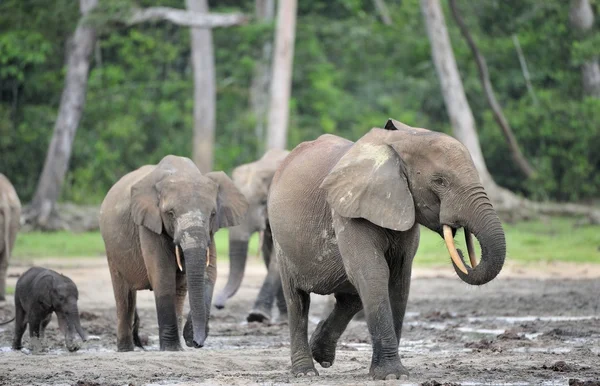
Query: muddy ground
[{"x": 532, "y": 325}]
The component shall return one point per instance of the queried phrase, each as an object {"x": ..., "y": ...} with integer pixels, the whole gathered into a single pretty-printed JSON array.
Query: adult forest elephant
[
  {"x": 10, "y": 218},
  {"x": 253, "y": 180},
  {"x": 147, "y": 217},
  {"x": 345, "y": 220}
]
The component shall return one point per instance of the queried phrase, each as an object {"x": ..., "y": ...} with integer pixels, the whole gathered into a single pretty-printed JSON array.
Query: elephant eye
[
  {"x": 439, "y": 181},
  {"x": 171, "y": 213}
]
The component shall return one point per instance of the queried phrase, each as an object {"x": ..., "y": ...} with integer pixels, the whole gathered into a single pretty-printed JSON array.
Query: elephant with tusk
[
  {"x": 146, "y": 219},
  {"x": 345, "y": 219}
]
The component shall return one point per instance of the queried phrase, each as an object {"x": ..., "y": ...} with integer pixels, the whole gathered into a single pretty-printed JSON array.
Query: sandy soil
[{"x": 532, "y": 325}]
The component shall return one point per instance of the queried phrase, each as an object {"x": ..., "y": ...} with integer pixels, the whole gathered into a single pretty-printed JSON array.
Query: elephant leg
[
  {"x": 261, "y": 312},
  {"x": 20, "y": 325},
  {"x": 35, "y": 324},
  {"x": 299, "y": 303},
  {"x": 162, "y": 272},
  {"x": 362, "y": 249},
  {"x": 324, "y": 340},
  {"x": 399, "y": 288},
  {"x": 45, "y": 323},
  {"x": 125, "y": 299},
  {"x": 281, "y": 305}
]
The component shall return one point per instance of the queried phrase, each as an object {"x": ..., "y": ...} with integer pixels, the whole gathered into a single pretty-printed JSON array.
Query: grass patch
[{"x": 552, "y": 240}]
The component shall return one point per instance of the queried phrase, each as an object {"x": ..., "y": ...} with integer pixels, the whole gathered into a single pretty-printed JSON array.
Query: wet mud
[{"x": 520, "y": 329}]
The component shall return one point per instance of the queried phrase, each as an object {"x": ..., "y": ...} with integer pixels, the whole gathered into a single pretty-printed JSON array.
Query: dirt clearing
[{"x": 532, "y": 325}]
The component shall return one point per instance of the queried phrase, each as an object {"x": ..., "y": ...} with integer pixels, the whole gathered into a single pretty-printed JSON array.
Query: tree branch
[
  {"x": 383, "y": 11},
  {"x": 484, "y": 76},
  {"x": 186, "y": 18},
  {"x": 524, "y": 69}
]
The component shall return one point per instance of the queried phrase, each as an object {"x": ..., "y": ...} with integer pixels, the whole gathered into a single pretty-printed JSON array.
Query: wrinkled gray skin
[
  {"x": 345, "y": 219},
  {"x": 10, "y": 214},
  {"x": 254, "y": 180},
  {"x": 144, "y": 216},
  {"x": 39, "y": 293}
]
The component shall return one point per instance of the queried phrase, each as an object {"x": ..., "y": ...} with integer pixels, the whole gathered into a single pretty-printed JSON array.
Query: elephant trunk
[
  {"x": 195, "y": 267},
  {"x": 238, "y": 254},
  {"x": 485, "y": 225}
]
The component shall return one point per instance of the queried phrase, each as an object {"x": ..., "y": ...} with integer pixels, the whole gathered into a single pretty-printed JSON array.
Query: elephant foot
[
  {"x": 36, "y": 346},
  {"x": 170, "y": 346},
  {"x": 389, "y": 370},
  {"x": 73, "y": 347},
  {"x": 304, "y": 371},
  {"x": 322, "y": 348},
  {"x": 124, "y": 345},
  {"x": 258, "y": 316}
]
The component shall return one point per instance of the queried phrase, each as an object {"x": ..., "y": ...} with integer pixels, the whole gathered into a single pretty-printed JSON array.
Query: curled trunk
[{"x": 485, "y": 225}]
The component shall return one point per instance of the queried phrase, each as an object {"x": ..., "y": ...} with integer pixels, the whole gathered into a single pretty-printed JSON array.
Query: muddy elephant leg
[
  {"x": 35, "y": 324},
  {"x": 298, "y": 304},
  {"x": 281, "y": 306},
  {"x": 399, "y": 289},
  {"x": 261, "y": 312},
  {"x": 362, "y": 249},
  {"x": 324, "y": 340},
  {"x": 162, "y": 272},
  {"x": 125, "y": 299},
  {"x": 20, "y": 326},
  {"x": 45, "y": 323}
]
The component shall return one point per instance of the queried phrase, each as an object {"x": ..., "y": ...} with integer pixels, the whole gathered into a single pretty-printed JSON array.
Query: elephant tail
[
  {"x": 8, "y": 321},
  {"x": 136, "y": 327}
]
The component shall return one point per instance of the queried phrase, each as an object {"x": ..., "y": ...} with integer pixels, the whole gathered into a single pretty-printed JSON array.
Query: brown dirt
[{"x": 532, "y": 325}]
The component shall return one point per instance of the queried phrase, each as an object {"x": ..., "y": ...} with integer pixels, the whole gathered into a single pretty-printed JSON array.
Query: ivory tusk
[
  {"x": 449, "y": 239},
  {"x": 178, "y": 258},
  {"x": 207, "y": 257},
  {"x": 471, "y": 249}
]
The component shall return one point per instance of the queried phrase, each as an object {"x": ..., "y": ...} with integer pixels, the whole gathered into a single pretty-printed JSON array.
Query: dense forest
[{"x": 351, "y": 72}]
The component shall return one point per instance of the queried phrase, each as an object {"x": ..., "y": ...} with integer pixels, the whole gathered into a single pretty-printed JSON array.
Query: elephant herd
[{"x": 337, "y": 218}]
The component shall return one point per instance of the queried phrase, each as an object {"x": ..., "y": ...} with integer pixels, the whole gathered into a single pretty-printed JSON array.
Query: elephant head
[
  {"x": 402, "y": 175},
  {"x": 177, "y": 201},
  {"x": 63, "y": 297},
  {"x": 253, "y": 180}
]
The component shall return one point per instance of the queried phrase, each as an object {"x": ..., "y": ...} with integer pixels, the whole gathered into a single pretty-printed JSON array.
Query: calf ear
[
  {"x": 144, "y": 203},
  {"x": 231, "y": 203},
  {"x": 368, "y": 182}
]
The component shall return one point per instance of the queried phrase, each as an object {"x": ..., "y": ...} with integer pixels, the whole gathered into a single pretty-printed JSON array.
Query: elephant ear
[
  {"x": 144, "y": 203},
  {"x": 368, "y": 182},
  {"x": 231, "y": 203}
]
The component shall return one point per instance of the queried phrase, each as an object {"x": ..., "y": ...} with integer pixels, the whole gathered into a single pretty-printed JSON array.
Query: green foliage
[{"x": 351, "y": 73}]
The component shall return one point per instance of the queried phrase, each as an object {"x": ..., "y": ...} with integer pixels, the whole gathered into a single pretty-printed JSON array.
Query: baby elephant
[{"x": 40, "y": 292}]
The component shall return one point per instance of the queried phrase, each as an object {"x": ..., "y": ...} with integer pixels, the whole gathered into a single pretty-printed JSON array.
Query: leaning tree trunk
[
  {"x": 505, "y": 202},
  {"x": 490, "y": 95},
  {"x": 581, "y": 17},
  {"x": 205, "y": 93},
  {"x": 259, "y": 89},
  {"x": 281, "y": 83},
  {"x": 70, "y": 110}
]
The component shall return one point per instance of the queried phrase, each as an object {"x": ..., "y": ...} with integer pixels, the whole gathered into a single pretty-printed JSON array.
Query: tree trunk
[
  {"x": 205, "y": 93},
  {"x": 70, "y": 110},
  {"x": 486, "y": 83},
  {"x": 281, "y": 82},
  {"x": 581, "y": 17},
  {"x": 259, "y": 90}
]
